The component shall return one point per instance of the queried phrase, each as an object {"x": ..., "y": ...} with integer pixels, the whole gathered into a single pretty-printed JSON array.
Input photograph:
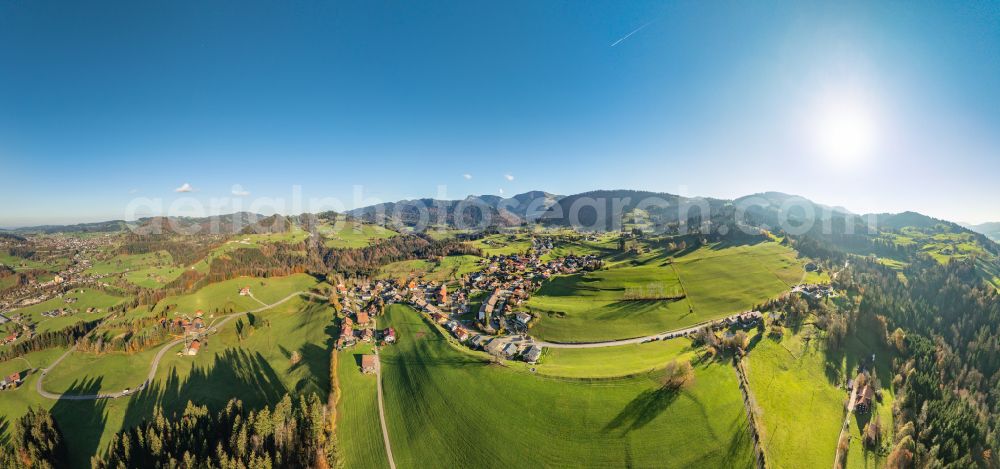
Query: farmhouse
[
  {"x": 477, "y": 341},
  {"x": 864, "y": 399},
  {"x": 194, "y": 347},
  {"x": 11, "y": 382},
  {"x": 510, "y": 350},
  {"x": 522, "y": 317},
  {"x": 389, "y": 335},
  {"x": 494, "y": 347},
  {"x": 363, "y": 319},
  {"x": 245, "y": 291},
  {"x": 461, "y": 334},
  {"x": 533, "y": 354},
  {"x": 369, "y": 363}
]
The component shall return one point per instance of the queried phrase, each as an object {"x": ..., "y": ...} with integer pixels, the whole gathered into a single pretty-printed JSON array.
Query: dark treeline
[
  {"x": 947, "y": 330},
  {"x": 24, "y": 252},
  {"x": 130, "y": 335},
  {"x": 49, "y": 339},
  {"x": 293, "y": 433},
  {"x": 186, "y": 252},
  {"x": 366, "y": 261},
  {"x": 37, "y": 443}
]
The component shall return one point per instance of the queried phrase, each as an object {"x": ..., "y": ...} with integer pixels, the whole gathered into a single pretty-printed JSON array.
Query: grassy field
[
  {"x": 123, "y": 262},
  {"x": 360, "y": 442},
  {"x": 447, "y": 269},
  {"x": 256, "y": 366},
  {"x": 224, "y": 297},
  {"x": 717, "y": 281},
  {"x": 451, "y": 407},
  {"x": 18, "y": 263},
  {"x": 502, "y": 244},
  {"x": 802, "y": 408},
  {"x": 89, "y": 298},
  {"x": 350, "y": 234},
  {"x": 605, "y": 362}
]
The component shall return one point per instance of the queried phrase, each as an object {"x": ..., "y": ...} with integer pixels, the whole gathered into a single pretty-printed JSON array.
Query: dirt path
[
  {"x": 847, "y": 424},
  {"x": 381, "y": 417},
  {"x": 155, "y": 362}
]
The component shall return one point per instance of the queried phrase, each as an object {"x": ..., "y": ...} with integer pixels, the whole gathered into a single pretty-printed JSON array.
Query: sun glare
[{"x": 846, "y": 133}]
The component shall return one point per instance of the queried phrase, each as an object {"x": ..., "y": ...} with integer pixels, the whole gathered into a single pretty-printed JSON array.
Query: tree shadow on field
[
  {"x": 643, "y": 409},
  {"x": 81, "y": 421},
  {"x": 234, "y": 374},
  {"x": 4, "y": 431},
  {"x": 737, "y": 242}
]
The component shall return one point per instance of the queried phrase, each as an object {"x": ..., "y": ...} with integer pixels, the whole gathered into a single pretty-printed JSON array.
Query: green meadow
[
  {"x": 359, "y": 435},
  {"x": 450, "y": 406},
  {"x": 607, "y": 362},
  {"x": 85, "y": 298},
  {"x": 795, "y": 382},
  {"x": 352, "y": 234},
  {"x": 714, "y": 281},
  {"x": 445, "y": 269},
  {"x": 257, "y": 358},
  {"x": 224, "y": 297}
]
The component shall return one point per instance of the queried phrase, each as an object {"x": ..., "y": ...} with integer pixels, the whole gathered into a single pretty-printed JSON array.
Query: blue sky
[{"x": 104, "y": 102}]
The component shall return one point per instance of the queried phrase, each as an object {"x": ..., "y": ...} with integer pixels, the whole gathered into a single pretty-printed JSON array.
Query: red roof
[
  {"x": 363, "y": 318},
  {"x": 195, "y": 344}
]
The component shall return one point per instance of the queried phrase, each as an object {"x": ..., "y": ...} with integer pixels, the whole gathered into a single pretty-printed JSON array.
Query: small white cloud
[
  {"x": 184, "y": 188},
  {"x": 239, "y": 191},
  {"x": 508, "y": 177},
  {"x": 501, "y": 191},
  {"x": 467, "y": 176}
]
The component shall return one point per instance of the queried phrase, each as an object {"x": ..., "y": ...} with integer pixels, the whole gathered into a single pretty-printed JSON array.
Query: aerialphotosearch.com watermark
[{"x": 591, "y": 212}]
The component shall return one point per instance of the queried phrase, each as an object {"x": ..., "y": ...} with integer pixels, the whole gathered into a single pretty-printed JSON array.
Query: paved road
[
  {"x": 381, "y": 418},
  {"x": 637, "y": 340},
  {"x": 155, "y": 363}
]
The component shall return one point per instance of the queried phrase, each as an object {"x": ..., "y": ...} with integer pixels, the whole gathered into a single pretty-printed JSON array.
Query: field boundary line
[
  {"x": 749, "y": 403},
  {"x": 381, "y": 418}
]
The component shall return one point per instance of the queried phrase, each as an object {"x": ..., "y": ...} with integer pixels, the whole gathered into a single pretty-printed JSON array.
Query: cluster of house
[
  {"x": 10, "y": 382},
  {"x": 496, "y": 346},
  {"x": 815, "y": 291},
  {"x": 10, "y": 338},
  {"x": 190, "y": 325},
  {"x": 512, "y": 350},
  {"x": 362, "y": 328},
  {"x": 54, "y": 313}
]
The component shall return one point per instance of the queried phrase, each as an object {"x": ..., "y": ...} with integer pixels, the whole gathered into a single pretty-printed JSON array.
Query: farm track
[
  {"x": 381, "y": 418},
  {"x": 155, "y": 362}
]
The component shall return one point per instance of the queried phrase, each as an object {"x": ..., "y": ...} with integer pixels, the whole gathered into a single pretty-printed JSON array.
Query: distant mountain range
[
  {"x": 992, "y": 230},
  {"x": 599, "y": 210}
]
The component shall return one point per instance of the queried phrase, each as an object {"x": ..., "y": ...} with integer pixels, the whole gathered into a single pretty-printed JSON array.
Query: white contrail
[{"x": 640, "y": 28}]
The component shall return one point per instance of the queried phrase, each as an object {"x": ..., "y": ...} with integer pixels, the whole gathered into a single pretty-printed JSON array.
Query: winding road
[{"x": 155, "y": 363}]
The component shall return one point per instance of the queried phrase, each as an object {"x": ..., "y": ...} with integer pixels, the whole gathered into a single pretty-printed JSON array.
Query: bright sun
[{"x": 845, "y": 133}]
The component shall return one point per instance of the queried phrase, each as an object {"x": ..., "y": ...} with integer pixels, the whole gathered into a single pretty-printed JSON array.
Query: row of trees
[
  {"x": 293, "y": 433},
  {"x": 61, "y": 338},
  {"x": 37, "y": 443}
]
